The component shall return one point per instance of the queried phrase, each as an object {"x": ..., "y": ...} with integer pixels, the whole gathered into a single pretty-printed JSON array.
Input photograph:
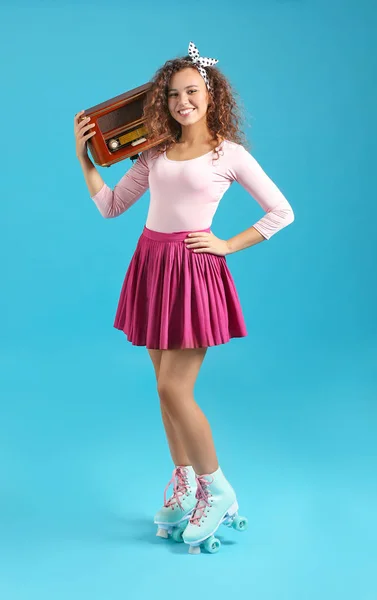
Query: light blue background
[{"x": 83, "y": 457}]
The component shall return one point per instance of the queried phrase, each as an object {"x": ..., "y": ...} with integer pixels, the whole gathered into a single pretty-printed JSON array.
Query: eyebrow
[{"x": 187, "y": 86}]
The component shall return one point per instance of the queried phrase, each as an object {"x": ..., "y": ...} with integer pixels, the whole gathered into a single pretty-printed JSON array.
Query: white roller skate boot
[
  {"x": 174, "y": 515},
  {"x": 216, "y": 504}
]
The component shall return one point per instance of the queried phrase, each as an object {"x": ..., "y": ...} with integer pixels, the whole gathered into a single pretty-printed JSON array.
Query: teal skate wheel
[
  {"x": 177, "y": 533},
  {"x": 212, "y": 545},
  {"x": 239, "y": 523}
]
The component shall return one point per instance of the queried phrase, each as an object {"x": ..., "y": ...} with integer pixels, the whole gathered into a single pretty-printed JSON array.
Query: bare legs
[
  {"x": 187, "y": 429},
  {"x": 177, "y": 450}
]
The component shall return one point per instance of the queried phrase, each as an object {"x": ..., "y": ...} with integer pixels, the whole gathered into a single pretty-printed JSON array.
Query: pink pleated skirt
[{"x": 174, "y": 298}]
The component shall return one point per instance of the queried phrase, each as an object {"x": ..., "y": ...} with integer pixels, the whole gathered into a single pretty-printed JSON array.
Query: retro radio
[{"x": 120, "y": 128}]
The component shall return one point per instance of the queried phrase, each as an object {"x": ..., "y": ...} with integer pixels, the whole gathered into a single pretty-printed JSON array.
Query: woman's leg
[
  {"x": 178, "y": 372},
  {"x": 177, "y": 450}
]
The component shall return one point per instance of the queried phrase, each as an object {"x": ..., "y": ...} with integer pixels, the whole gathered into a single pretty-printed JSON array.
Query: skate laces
[
  {"x": 180, "y": 485},
  {"x": 202, "y": 495}
]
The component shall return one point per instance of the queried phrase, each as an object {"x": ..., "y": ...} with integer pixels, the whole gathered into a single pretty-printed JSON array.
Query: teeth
[{"x": 185, "y": 112}]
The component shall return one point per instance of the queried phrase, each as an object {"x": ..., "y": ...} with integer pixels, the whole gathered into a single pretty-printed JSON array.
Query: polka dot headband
[{"x": 201, "y": 62}]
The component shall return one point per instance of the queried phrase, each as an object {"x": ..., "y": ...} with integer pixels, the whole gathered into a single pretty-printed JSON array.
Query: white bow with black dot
[{"x": 201, "y": 62}]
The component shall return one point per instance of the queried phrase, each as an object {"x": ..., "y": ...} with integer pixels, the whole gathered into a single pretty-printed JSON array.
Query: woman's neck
[
  {"x": 192, "y": 136},
  {"x": 195, "y": 141}
]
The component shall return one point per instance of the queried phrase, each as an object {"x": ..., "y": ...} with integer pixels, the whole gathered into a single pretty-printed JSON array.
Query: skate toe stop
[{"x": 162, "y": 533}]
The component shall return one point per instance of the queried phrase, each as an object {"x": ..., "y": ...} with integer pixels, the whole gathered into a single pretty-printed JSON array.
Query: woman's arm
[
  {"x": 93, "y": 179},
  {"x": 248, "y": 173},
  {"x": 112, "y": 203},
  {"x": 245, "y": 239}
]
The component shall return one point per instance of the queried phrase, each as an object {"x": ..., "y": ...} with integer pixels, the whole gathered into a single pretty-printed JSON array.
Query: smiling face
[{"x": 187, "y": 96}]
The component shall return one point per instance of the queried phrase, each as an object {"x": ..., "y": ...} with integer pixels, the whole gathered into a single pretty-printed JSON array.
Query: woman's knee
[
  {"x": 177, "y": 376},
  {"x": 172, "y": 394},
  {"x": 168, "y": 389}
]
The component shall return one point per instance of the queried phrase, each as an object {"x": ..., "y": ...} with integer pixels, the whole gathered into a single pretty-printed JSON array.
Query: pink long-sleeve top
[{"x": 185, "y": 194}]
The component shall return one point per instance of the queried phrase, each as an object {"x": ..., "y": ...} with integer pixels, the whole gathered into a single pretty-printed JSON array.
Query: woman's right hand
[{"x": 83, "y": 131}]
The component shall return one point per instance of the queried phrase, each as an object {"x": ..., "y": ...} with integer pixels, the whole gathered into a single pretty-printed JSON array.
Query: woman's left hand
[{"x": 207, "y": 242}]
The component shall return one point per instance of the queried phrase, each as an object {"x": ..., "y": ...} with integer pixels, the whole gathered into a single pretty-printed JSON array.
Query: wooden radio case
[{"x": 120, "y": 128}]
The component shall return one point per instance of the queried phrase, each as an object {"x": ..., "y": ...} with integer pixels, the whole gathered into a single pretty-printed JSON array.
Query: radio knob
[{"x": 113, "y": 144}]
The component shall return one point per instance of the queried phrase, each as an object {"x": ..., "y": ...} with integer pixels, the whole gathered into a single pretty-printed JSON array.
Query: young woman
[{"x": 178, "y": 297}]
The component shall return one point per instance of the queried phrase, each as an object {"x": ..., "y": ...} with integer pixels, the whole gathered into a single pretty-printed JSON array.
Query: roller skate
[
  {"x": 174, "y": 515},
  {"x": 216, "y": 504}
]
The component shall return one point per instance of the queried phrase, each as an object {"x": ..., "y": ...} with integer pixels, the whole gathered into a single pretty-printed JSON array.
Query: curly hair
[{"x": 223, "y": 114}]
